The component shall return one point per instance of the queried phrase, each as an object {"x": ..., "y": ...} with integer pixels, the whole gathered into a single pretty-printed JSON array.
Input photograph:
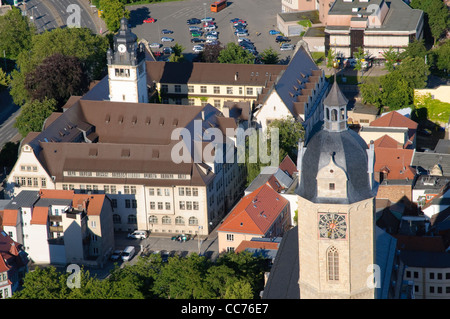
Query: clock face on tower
[
  {"x": 332, "y": 226},
  {"x": 122, "y": 48}
]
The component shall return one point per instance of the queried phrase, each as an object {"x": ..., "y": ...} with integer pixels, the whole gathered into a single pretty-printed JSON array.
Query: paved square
[{"x": 259, "y": 14}]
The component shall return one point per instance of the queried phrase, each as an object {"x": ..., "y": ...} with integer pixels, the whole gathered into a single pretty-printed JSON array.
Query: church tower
[
  {"x": 126, "y": 68},
  {"x": 336, "y": 209}
]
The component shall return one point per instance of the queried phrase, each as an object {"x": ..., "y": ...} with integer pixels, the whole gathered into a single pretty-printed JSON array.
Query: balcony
[{"x": 58, "y": 229}]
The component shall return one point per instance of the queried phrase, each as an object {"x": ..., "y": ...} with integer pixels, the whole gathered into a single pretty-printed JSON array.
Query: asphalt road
[
  {"x": 259, "y": 14},
  {"x": 8, "y": 114},
  {"x": 40, "y": 14}
]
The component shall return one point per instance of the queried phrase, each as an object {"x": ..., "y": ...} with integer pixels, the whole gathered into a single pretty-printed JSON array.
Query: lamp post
[{"x": 198, "y": 237}]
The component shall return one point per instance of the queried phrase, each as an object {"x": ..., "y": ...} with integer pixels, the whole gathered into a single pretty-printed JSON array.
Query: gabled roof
[
  {"x": 387, "y": 142},
  {"x": 394, "y": 119},
  {"x": 255, "y": 213},
  {"x": 92, "y": 203},
  {"x": 10, "y": 217}
]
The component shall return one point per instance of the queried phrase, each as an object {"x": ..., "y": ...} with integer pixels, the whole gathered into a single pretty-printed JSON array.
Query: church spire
[{"x": 335, "y": 105}]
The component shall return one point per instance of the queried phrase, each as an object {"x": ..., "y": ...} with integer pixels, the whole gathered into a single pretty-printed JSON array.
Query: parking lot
[{"x": 260, "y": 16}]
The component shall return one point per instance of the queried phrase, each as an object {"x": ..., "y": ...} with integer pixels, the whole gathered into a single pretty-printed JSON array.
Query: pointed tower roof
[{"x": 335, "y": 96}]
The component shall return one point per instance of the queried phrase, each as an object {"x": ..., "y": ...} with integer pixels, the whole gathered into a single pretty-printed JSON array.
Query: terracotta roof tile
[
  {"x": 256, "y": 245},
  {"x": 39, "y": 215},
  {"x": 396, "y": 160},
  {"x": 394, "y": 119},
  {"x": 93, "y": 203},
  {"x": 256, "y": 212},
  {"x": 10, "y": 217},
  {"x": 387, "y": 142},
  {"x": 56, "y": 194}
]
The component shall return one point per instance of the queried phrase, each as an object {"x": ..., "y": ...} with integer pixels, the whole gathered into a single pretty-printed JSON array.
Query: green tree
[
  {"x": 359, "y": 56},
  {"x": 270, "y": 56},
  {"x": 391, "y": 57},
  {"x": 44, "y": 283},
  {"x": 415, "y": 49},
  {"x": 370, "y": 92},
  {"x": 33, "y": 115},
  {"x": 78, "y": 42},
  {"x": 442, "y": 56},
  {"x": 233, "y": 53},
  {"x": 436, "y": 16},
  {"x": 5, "y": 80},
  {"x": 177, "y": 55},
  {"x": 16, "y": 32},
  {"x": 396, "y": 92},
  {"x": 113, "y": 12},
  {"x": 290, "y": 131},
  {"x": 331, "y": 57},
  {"x": 414, "y": 71},
  {"x": 239, "y": 289}
]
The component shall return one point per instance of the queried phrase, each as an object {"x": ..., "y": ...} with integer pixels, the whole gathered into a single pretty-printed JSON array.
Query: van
[{"x": 128, "y": 253}]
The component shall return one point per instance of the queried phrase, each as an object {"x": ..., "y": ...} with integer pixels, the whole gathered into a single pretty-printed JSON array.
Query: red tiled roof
[
  {"x": 288, "y": 165},
  {"x": 256, "y": 212},
  {"x": 93, "y": 203},
  {"x": 396, "y": 160},
  {"x": 3, "y": 266},
  {"x": 10, "y": 217},
  {"x": 39, "y": 216},
  {"x": 386, "y": 141},
  {"x": 394, "y": 119},
  {"x": 56, "y": 194}
]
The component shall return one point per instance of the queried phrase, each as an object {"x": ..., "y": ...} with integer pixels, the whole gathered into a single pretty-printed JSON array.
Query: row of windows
[
  {"x": 431, "y": 275},
  {"x": 204, "y": 89},
  {"x": 126, "y": 175},
  {"x": 182, "y": 191},
  {"x": 28, "y": 168},
  {"x": 31, "y": 181},
  {"x": 167, "y": 220},
  {"x": 188, "y": 205}
]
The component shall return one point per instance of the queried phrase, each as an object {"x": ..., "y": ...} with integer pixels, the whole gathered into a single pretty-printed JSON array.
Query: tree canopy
[
  {"x": 232, "y": 276},
  {"x": 33, "y": 115},
  {"x": 113, "y": 12},
  {"x": 16, "y": 32},
  {"x": 233, "y": 53}
]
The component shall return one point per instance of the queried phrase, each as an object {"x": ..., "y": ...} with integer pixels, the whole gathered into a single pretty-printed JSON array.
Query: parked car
[
  {"x": 149, "y": 20},
  {"x": 211, "y": 37},
  {"x": 242, "y": 34},
  {"x": 234, "y": 20},
  {"x": 116, "y": 255},
  {"x": 193, "y": 21},
  {"x": 210, "y": 28},
  {"x": 241, "y": 23},
  {"x": 167, "y": 50},
  {"x": 155, "y": 45},
  {"x": 244, "y": 40},
  {"x": 194, "y": 28},
  {"x": 240, "y": 30},
  {"x": 239, "y": 26},
  {"x": 281, "y": 38},
  {"x": 197, "y": 40},
  {"x": 207, "y": 24},
  {"x": 212, "y": 33},
  {"x": 166, "y": 39},
  {"x": 287, "y": 47},
  {"x": 197, "y": 48},
  {"x": 196, "y": 34},
  {"x": 207, "y": 19},
  {"x": 212, "y": 42},
  {"x": 273, "y": 32},
  {"x": 139, "y": 234},
  {"x": 166, "y": 31},
  {"x": 182, "y": 237},
  {"x": 128, "y": 253}
]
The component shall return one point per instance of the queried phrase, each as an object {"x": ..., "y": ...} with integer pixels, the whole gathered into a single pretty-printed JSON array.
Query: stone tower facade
[
  {"x": 336, "y": 199},
  {"x": 126, "y": 68}
]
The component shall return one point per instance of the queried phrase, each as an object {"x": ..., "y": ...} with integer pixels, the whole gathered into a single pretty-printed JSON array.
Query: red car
[{"x": 149, "y": 20}]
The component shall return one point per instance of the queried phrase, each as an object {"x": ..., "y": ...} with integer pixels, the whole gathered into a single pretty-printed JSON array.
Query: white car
[
  {"x": 194, "y": 28},
  {"x": 210, "y": 28},
  {"x": 155, "y": 45},
  {"x": 211, "y": 37},
  {"x": 197, "y": 48},
  {"x": 212, "y": 33},
  {"x": 207, "y": 19},
  {"x": 244, "y": 40},
  {"x": 242, "y": 34},
  {"x": 287, "y": 47},
  {"x": 139, "y": 234}
]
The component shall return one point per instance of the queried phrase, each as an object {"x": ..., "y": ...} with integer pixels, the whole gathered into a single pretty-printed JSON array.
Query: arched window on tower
[
  {"x": 334, "y": 115},
  {"x": 333, "y": 264}
]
